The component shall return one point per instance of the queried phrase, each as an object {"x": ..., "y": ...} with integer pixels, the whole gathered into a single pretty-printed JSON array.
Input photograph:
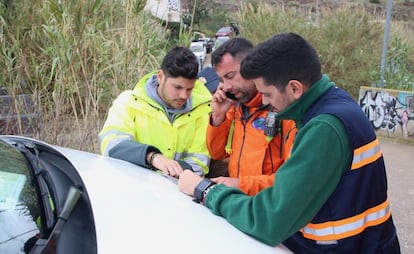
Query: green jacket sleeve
[{"x": 303, "y": 183}]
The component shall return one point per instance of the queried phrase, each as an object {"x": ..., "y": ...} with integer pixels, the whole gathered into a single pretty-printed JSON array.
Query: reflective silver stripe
[
  {"x": 116, "y": 138},
  {"x": 201, "y": 157},
  {"x": 356, "y": 226},
  {"x": 364, "y": 155},
  {"x": 194, "y": 159}
]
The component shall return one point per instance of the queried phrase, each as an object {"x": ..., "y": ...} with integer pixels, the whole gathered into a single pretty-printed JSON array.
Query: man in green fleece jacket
[{"x": 330, "y": 196}]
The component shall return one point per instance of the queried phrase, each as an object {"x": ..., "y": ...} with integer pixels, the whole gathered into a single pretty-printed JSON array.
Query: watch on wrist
[
  {"x": 200, "y": 188},
  {"x": 203, "y": 201}
]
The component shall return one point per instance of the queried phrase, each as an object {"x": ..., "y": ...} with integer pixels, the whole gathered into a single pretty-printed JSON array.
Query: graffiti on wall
[{"x": 389, "y": 110}]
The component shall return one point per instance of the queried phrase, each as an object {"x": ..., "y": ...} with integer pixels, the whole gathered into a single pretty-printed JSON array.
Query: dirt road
[{"x": 399, "y": 159}]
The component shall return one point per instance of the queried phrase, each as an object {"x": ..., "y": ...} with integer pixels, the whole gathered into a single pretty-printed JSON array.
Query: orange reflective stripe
[
  {"x": 366, "y": 154},
  {"x": 336, "y": 230}
]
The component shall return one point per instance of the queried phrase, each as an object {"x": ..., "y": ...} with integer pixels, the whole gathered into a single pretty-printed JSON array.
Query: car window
[
  {"x": 220, "y": 41},
  {"x": 224, "y": 29},
  {"x": 197, "y": 48},
  {"x": 19, "y": 205}
]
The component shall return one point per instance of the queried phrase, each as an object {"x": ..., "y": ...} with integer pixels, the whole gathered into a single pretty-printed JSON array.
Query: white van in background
[{"x": 200, "y": 51}]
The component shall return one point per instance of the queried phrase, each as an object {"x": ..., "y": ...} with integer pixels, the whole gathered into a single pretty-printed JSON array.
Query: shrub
[
  {"x": 348, "y": 39},
  {"x": 396, "y": 73}
]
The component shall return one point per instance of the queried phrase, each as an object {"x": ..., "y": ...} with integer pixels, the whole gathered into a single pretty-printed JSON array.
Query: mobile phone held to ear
[{"x": 230, "y": 96}]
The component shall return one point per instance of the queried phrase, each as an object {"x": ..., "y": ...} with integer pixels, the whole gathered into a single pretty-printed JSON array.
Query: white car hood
[{"x": 136, "y": 209}]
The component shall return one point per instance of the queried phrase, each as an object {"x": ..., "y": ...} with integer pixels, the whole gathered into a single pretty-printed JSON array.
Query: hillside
[{"x": 402, "y": 10}]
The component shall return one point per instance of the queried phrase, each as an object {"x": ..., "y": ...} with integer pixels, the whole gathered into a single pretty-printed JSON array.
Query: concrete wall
[{"x": 391, "y": 112}]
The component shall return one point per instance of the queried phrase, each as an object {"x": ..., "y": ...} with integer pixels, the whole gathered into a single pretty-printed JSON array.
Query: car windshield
[
  {"x": 224, "y": 30},
  {"x": 220, "y": 40},
  {"x": 196, "y": 48},
  {"x": 19, "y": 208}
]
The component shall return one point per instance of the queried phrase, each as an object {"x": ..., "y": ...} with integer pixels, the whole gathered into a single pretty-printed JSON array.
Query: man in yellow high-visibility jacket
[{"x": 161, "y": 123}]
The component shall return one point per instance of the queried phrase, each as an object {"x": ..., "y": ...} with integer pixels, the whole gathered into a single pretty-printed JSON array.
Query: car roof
[{"x": 138, "y": 209}]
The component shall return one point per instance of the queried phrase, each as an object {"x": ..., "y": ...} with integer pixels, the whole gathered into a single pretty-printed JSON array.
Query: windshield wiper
[
  {"x": 46, "y": 245},
  {"x": 38, "y": 175}
]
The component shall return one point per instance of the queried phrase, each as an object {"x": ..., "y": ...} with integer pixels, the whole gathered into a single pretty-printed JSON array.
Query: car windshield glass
[
  {"x": 19, "y": 207},
  {"x": 196, "y": 48},
  {"x": 220, "y": 41}
]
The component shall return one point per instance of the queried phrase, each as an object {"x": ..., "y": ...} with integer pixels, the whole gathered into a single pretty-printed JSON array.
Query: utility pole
[
  {"x": 317, "y": 12},
  {"x": 385, "y": 43}
]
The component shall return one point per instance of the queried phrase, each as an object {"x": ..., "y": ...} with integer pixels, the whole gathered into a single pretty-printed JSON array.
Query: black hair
[
  {"x": 283, "y": 57},
  {"x": 237, "y": 47},
  {"x": 180, "y": 62}
]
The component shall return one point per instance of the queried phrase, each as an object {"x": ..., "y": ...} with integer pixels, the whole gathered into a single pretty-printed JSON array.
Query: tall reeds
[{"x": 74, "y": 57}]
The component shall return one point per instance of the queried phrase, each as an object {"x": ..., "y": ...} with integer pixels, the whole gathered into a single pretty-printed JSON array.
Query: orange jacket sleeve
[{"x": 251, "y": 185}]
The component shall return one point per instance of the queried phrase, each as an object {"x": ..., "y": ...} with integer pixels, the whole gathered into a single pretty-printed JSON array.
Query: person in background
[
  {"x": 331, "y": 195},
  {"x": 210, "y": 79},
  {"x": 161, "y": 123},
  {"x": 237, "y": 128}
]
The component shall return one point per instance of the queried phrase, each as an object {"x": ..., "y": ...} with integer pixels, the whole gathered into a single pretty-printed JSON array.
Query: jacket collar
[
  {"x": 256, "y": 101},
  {"x": 151, "y": 88},
  {"x": 297, "y": 109}
]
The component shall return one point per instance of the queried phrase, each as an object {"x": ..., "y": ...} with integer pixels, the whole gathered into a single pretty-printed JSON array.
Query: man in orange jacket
[{"x": 238, "y": 121}]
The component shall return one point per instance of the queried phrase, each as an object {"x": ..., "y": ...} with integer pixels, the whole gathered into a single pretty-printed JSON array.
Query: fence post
[{"x": 18, "y": 115}]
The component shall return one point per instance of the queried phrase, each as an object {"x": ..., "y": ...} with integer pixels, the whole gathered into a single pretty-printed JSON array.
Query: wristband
[
  {"x": 200, "y": 188},
  {"x": 151, "y": 160}
]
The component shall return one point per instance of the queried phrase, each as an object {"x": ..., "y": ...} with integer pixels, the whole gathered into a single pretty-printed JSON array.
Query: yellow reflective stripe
[
  {"x": 366, "y": 154},
  {"x": 336, "y": 230},
  {"x": 229, "y": 149}
]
